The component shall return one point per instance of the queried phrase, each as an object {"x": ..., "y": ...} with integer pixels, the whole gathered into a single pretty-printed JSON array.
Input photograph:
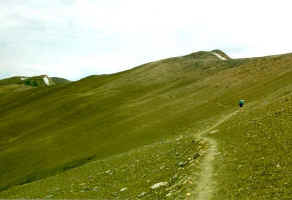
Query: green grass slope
[
  {"x": 46, "y": 131},
  {"x": 127, "y": 175},
  {"x": 58, "y": 80},
  {"x": 256, "y": 146}
]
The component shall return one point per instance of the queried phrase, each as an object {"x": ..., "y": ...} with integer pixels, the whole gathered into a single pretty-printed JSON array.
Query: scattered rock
[
  {"x": 196, "y": 155},
  {"x": 182, "y": 164},
  {"x": 109, "y": 172},
  {"x": 49, "y": 196},
  {"x": 169, "y": 194},
  {"x": 158, "y": 185},
  {"x": 123, "y": 189},
  {"x": 115, "y": 194},
  {"x": 214, "y": 131},
  {"x": 142, "y": 194}
]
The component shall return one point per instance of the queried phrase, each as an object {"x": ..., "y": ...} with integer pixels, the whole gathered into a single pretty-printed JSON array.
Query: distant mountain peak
[
  {"x": 220, "y": 54},
  {"x": 209, "y": 55}
]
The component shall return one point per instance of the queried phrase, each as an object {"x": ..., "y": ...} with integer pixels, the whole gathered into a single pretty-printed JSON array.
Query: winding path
[{"x": 206, "y": 184}]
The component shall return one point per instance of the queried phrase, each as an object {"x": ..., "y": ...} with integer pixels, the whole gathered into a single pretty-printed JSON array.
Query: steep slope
[{"x": 45, "y": 131}]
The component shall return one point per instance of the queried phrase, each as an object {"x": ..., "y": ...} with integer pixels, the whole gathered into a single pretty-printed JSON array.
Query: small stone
[
  {"x": 169, "y": 194},
  {"x": 49, "y": 196},
  {"x": 142, "y": 194},
  {"x": 182, "y": 164},
  {"x": 188, "y": 194},
  {"x": 123, "y": 189},
  {"x": 214, "y": 131},
  {"x": 158, "y": 185}
]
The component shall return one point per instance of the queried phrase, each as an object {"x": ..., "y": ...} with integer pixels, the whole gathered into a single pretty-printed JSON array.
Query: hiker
[{"x": 241, "y": 103}]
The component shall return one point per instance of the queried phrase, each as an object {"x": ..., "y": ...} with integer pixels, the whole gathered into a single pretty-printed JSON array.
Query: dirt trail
[{"x": 206, "y": 184}]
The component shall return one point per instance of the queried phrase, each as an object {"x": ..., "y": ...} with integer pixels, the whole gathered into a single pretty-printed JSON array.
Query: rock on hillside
[{"x": 35, "y": 81}]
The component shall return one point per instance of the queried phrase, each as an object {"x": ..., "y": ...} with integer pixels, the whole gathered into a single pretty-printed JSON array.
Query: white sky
[{"x": 77, "y": 38}]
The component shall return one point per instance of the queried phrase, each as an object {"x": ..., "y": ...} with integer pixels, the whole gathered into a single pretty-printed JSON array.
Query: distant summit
[
  {"x": 220, "y": 54},
  {"x": 209, "y": 55}
]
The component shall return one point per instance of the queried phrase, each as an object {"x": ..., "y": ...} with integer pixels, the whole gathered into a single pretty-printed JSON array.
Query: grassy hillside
[
  {"x": 111, "y": 118},
  {"x": 256, "y": 145},
  {"x": 58, "y": 80}
]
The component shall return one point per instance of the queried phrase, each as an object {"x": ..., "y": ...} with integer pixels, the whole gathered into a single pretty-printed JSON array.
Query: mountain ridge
[{"x": 100, "y": 117}]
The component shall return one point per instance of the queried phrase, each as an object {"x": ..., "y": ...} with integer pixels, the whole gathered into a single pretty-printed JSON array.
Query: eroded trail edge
[{"x": 207, "y": 184}]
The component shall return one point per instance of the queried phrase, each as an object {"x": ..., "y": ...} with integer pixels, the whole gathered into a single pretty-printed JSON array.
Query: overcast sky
[{"x": 77, "y": 38}]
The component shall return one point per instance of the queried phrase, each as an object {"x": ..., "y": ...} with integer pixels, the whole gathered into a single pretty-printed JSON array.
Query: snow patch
[
  {"x": 219, "y": 56},
  {"x": 46, "y": 81}
]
